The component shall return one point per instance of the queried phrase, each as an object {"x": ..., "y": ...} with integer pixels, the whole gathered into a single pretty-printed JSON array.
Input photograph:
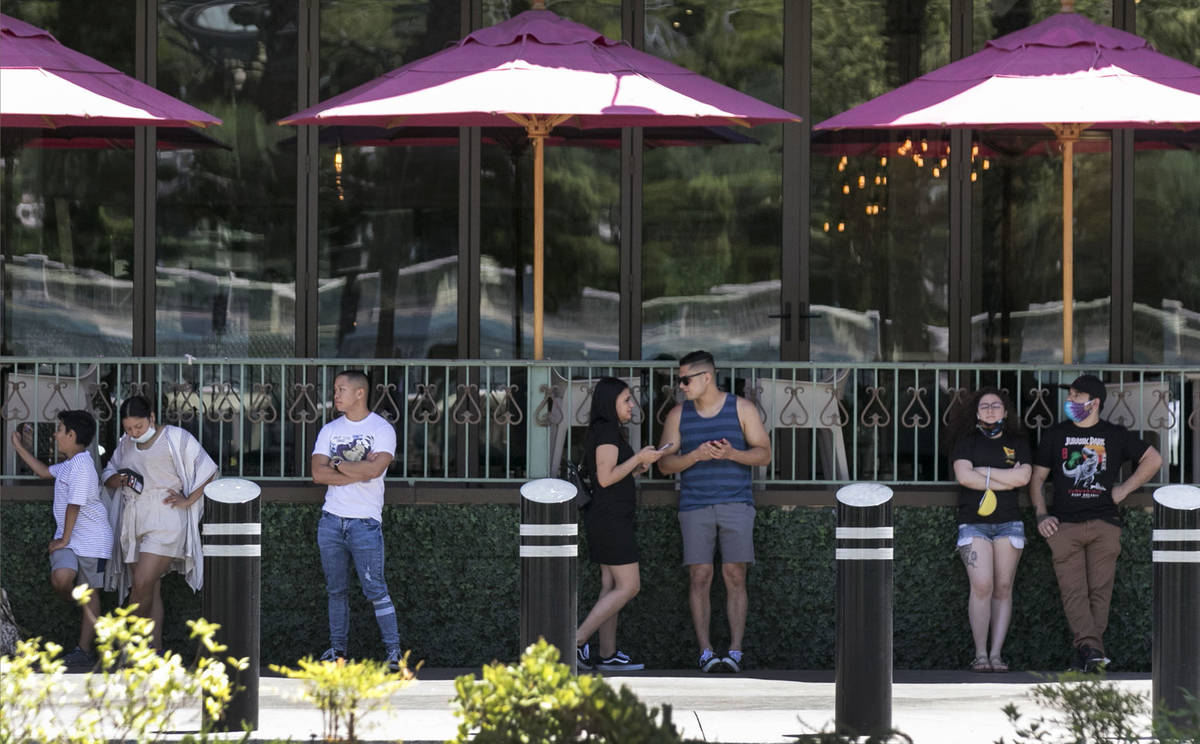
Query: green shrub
[
  {"x": 134, "y": 697},
  {"x": 347, "y": 691},
  {"x": 454, "y": 575},
  {"x": 540, "y": 701}
]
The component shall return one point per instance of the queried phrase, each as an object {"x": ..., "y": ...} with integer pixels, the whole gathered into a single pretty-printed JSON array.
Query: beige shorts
[{"x": 150, "y": 526}]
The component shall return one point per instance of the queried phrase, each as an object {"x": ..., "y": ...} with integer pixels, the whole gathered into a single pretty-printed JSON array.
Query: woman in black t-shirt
[
  {"x": 609, "y": 520},
  {"x": 991, "y": 461}
]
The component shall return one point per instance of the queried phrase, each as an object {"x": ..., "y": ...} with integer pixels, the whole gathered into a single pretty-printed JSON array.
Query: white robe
[{"x": 194, "y": 467}]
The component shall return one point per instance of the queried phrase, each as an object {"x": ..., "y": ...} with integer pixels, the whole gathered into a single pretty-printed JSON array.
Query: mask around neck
[{"x": 146, "y": 435}]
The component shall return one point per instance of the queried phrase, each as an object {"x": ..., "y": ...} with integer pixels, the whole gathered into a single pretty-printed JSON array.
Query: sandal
[
  {"x": 981, "y": 664},
  {"x": 998, "y": 664}
]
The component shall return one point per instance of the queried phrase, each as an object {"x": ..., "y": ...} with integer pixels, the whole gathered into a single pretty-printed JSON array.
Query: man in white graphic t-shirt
[{"x": 351, "y": 455}]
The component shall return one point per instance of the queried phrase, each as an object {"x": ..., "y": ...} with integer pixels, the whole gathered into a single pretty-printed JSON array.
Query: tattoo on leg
[{"x": 968, "y": 555}]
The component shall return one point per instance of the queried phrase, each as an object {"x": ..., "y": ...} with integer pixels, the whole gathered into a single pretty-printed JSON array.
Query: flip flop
[
  {"x": 998, "y": 664},
  {"x": 981, "y": 664}
]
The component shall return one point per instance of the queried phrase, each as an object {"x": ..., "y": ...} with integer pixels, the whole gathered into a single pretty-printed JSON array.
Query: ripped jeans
[{"x": 346, "y": 540}]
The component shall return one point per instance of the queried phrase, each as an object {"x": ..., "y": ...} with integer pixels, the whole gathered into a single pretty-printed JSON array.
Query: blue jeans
[{"x": 343, "y": 540}]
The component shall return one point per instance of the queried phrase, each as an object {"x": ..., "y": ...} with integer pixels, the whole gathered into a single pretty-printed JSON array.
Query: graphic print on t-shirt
[
  {"x": 1084, "y": 459},
  {"x": 351, "y": 448},
  {"x": 1010, "y": 456}
]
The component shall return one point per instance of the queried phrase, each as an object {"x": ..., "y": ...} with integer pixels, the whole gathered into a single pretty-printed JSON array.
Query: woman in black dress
[
  {"x": 991, "y": 459},
  {"x": 609, "y": 520}
]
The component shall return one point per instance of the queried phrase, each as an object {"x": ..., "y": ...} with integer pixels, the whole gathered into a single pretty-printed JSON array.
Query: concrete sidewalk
[{"x": 768, "y": 706}]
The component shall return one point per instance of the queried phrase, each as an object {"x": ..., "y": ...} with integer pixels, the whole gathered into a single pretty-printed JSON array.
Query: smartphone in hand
[{"x": 134, "y": 479}]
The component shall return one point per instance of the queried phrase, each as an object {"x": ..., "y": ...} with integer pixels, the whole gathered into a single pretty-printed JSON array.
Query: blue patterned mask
[{"x": 991, "y": 430}]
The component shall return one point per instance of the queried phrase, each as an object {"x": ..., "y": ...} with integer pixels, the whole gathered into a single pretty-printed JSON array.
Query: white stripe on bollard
[
  {"x": 863, "y": 554},
  {"x": 549, "y": 551},
  {"x": 236, "y": 528},
  {"x": 1175, "y": 556},
  {"x": 865, "y": 533},
  {"x": 1175, "y": 535},
  {"x": 549, "y": 530},
  {"x": 233, "y": 551}
]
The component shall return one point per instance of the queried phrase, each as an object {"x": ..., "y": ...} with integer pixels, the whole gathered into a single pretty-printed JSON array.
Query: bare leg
[
  {"x": 736, "y": 602},
  {"x": 627, "y": 583},
  {"x": 608, "y": 629},
  {"x": 62, "y": 580},
  {"x": 700, "y": 600},
  {"x": 1006, "y": 558},
  {"x": 146, "y": 590},
  {"x": 977, "y": 557}
]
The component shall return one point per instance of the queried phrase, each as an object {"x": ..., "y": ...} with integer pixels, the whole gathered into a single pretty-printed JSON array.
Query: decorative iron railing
[{"x": 502, "y": 422}]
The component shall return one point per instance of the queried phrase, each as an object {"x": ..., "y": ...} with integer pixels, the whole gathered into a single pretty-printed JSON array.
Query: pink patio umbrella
[
  {"x": 44, "y": 84},
  {"x": 1065, "y": 73},
  {"x": 538, "y": 71}
]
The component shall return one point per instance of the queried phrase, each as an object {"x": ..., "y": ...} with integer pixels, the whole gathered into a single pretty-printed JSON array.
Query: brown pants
[{"x": 1085, "y": 561}]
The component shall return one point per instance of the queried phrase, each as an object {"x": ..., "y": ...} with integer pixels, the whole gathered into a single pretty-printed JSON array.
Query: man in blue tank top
[{"x": 712, "y": 440}]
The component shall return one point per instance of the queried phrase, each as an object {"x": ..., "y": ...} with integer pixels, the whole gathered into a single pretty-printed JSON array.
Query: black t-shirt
[
  {"x": 1003, "y": 452},
  {"x": 620, "y": 497},
  {"x": 1084, "y": 464}
]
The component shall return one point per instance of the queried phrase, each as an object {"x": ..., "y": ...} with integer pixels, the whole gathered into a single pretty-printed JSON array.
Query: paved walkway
[{"x": 931, "y": 707}]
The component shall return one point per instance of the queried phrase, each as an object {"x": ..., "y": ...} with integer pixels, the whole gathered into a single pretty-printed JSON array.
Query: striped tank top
[{"x": 712, "y": 481}]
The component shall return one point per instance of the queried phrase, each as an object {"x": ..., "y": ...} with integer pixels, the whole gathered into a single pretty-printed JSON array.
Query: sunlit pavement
[{"x": 772, "y": 706}]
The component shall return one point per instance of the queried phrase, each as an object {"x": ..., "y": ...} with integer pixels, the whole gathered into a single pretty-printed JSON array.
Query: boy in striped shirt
[{"x": 82, "y": 539}]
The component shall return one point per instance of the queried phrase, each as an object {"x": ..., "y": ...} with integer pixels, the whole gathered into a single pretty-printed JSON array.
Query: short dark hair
[
  {"x": 355, "y": 377},
  {"x": 135, "y": 406},
  {"x": 80, "y": 422},
  {"x": 699, "y": 356}
]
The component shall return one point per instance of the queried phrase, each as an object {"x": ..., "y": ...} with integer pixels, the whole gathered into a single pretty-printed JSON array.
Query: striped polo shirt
[{"x": 712, "y": 481}]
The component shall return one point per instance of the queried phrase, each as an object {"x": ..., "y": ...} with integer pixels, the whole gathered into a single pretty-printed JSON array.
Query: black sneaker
[
  {"x": 710, "y": 662},
  {"x": 333, "y": 654},
  {"x": 732, "y": 661},
  {"x": 583, "y": 658},
  {"x": 619, "y": 660},
  {"x": 79, "y": 660},
  {"x": 1094, "y": 659}
]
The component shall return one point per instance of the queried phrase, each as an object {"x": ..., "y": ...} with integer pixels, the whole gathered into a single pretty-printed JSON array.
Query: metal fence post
[
  {"x": 549, "y": 559},
  {"x": 1175, "y": 650},
  {"x": 863, "y": 655},
  {"x": 232, "y": 536}
]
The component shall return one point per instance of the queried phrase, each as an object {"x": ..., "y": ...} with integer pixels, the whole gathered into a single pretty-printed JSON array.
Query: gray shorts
[
  {"x": 88, "y": 571},
  {"x": 732, "y": 523}
]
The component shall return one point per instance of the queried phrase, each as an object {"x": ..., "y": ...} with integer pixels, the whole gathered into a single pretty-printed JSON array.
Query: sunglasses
[{"x": 686, "y": 379}]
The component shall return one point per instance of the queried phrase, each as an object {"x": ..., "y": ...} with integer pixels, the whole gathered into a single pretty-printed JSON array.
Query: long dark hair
[
  {"x": 604, "y": 411},
  {"x": 962, "y": 423},
  {"x": 604, "y": 401},
  {"x": 136, "y": 406}
]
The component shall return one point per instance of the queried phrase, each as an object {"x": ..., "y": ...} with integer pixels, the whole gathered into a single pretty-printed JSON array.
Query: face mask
[
  {"x": 146, "y": 436},
  {"x": 1076, "y": 411},
  {"x": 994, "y": 429}
]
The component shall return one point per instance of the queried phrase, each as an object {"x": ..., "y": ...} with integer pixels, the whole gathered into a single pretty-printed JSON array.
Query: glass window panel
[
  {"x": 66, "y": 231},
  {"x": 388, "y": 213},
  {"x": 880, "y": 209},
  {"x": 226, "y": 264},
  {"x": 712, "y": 225},
  {"x": 1016, "y": 248},
  {"x": 582, "y": 228},
  {"x": 1166, "y": 223}
]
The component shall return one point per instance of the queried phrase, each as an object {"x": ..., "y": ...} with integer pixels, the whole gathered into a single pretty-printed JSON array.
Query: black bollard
[
  {"x": 549, "y": 558},
  {"x": 863, "y": 655},
  {"x": 1175, "y": 651},
  {"x": 232, "y": 535}
]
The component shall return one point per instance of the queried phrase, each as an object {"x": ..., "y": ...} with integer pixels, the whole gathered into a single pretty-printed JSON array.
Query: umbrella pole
[
  {"x": 539, "y": 217},
  {"x": 537, "y": 128},
  {"x": 1067, "y": 135}
]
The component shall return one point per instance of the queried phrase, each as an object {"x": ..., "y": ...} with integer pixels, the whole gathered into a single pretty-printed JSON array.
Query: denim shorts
[{"x": 1014, "y": 531}]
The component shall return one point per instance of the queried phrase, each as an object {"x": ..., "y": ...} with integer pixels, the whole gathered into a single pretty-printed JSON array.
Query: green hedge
[{"x": 454, "y": 576}]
